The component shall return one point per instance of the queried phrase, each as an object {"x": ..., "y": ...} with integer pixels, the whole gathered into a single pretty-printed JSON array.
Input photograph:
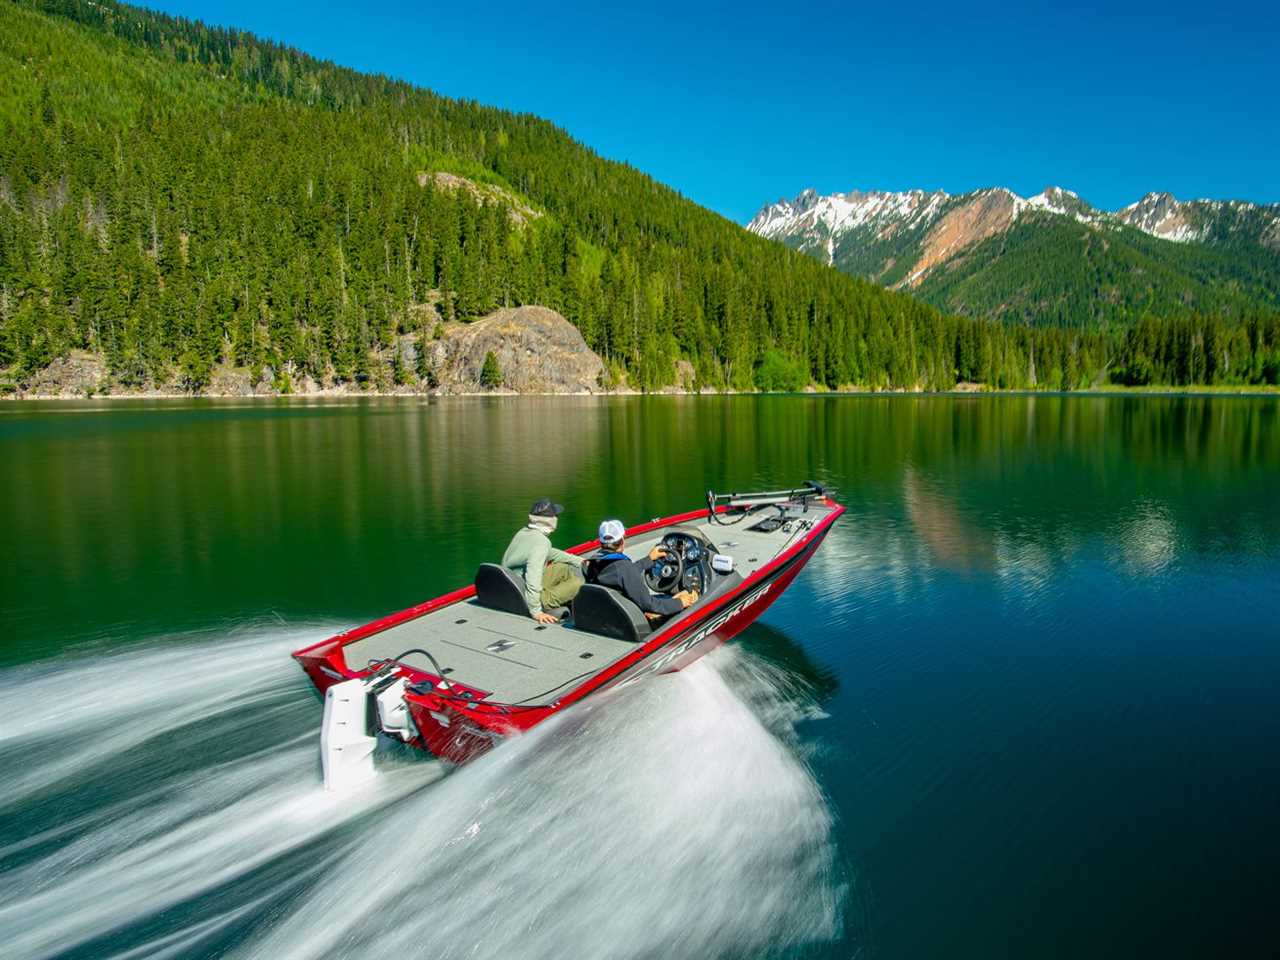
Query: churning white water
[{"x": 166, "y": 802}]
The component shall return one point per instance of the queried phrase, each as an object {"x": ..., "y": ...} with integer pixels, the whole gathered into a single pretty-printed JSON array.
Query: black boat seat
[
  {"x": 598, "y": 609},
  {"x": 500, "y": 589}
]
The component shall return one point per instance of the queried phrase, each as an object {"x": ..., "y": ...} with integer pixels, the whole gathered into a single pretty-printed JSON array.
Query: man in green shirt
[{"x": 551, "y": 577}]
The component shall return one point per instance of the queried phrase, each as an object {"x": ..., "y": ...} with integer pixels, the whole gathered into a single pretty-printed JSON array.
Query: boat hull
[{"x": 459, "y": 730}]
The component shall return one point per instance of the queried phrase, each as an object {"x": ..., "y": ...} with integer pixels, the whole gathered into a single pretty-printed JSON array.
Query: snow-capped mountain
[
  {"x": 1161, "y": 215},
  {"x": 1052, "y": 254},
  {"x": 839, "y": 213},
  {"x": 824, "y": 224},
  {"x": 842, "y": 212}
]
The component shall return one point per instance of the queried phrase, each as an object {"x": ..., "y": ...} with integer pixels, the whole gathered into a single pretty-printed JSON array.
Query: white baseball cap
[{"x": 612, "y": 531}]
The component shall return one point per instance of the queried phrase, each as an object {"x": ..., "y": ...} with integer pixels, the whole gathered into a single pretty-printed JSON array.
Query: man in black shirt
[{"x": 613, "y": 568}]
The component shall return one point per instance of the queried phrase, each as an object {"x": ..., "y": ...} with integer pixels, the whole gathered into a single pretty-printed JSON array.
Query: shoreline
[{"x": 1116, "y": 391}]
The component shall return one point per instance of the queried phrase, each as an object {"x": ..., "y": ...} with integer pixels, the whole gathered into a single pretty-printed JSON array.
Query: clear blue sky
[{"x": 738, "y": 104}]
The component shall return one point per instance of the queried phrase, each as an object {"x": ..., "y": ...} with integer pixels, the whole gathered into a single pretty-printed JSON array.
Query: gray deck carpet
[{"x": 515, "y": 659}]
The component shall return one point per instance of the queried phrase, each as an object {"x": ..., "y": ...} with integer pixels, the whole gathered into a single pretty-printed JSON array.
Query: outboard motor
[{"x": 354, "y": 713}]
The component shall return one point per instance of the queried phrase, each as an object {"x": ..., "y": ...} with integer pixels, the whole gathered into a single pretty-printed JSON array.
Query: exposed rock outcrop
[
  {"x": 538, "y": 351},
  {"x": 519, "y": 211},
  {"x": 80, "y": 374},
  {"x": 988, "y": 213},
  {"x": 228, "y": 381}
]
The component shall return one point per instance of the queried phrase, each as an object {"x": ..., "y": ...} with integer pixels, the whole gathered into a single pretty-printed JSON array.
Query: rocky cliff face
[
  {"x": 963, "y": 225},
  {"x": 538, "y": 350},
  {"x": 77, "y": 375}
]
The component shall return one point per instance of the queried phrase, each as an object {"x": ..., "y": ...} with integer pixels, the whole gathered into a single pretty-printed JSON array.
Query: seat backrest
[
  {"x": 598, "y": 609},
  {"x": 499, "y": 588}
]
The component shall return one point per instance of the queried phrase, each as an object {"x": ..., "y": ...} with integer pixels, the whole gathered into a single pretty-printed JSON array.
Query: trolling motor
[{"x": 749, "y": 502}]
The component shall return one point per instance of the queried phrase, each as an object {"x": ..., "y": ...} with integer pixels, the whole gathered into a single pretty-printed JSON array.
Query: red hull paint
[{"x": 459, "y": 730}]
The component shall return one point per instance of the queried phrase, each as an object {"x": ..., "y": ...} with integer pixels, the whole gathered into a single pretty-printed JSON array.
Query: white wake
[{"x": 168, "y": 803}]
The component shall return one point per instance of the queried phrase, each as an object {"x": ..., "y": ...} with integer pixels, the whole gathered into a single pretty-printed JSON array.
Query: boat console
[{"x": 686, "y": 565}]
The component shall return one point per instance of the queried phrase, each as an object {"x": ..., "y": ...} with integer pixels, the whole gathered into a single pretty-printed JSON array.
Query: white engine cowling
[{"x": 346, "y": 749}]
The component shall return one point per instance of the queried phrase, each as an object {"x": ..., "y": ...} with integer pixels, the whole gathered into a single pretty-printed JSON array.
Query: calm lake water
[{"x": 1025, "y": 701}]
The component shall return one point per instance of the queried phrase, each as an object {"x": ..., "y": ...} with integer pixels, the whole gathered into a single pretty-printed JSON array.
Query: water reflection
[
  {"x": 1148, "y": 539},
  {"x": 955, "y": 542},
  {"x": 129, "y": 515}
]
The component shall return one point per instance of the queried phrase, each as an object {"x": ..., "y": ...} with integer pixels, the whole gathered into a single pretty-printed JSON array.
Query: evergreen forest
[{"x": 176, "y": 196}]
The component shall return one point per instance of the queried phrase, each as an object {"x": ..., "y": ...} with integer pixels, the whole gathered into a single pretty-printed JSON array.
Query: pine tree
[
  {"x": 423, "y": 366},
  {"x": 399, "y": 372},
  {"x": 491, "y": 373}
]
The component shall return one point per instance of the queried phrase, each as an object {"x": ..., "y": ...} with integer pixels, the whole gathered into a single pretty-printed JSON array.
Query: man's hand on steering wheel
[
  {"x": 665, "y": 571},
  {"x": 658, "y": 552}
]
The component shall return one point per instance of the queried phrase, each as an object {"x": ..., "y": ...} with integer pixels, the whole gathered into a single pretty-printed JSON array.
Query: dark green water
[{"x": 1022, "y": 703}]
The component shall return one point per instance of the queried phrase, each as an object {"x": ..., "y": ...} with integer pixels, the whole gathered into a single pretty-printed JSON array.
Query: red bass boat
[{"x": 456, "y": 674}]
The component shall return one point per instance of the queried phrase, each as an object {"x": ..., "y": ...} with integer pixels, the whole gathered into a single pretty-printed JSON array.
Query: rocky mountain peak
[
  {"x": 904, "y": 238},
  {"x": 1162, "y": 215},
  {"x": 1158, "y": 198}
]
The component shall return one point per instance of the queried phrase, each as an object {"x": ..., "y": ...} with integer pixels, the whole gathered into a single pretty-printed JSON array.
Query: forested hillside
[
  {"x": 1209, "y": 267},
  {"x": 1055, "y": 270},
  {"x": 176, "y": 197}
]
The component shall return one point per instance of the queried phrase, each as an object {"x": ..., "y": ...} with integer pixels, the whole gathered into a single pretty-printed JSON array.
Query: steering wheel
[{"x": 667, "y": 571}]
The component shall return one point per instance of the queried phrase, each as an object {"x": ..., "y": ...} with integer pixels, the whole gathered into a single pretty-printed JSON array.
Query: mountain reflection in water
[{"x": 955, "y": 542}]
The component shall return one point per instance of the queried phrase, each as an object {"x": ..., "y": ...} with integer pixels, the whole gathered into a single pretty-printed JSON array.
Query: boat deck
[{"x": 519, "y": 661}]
